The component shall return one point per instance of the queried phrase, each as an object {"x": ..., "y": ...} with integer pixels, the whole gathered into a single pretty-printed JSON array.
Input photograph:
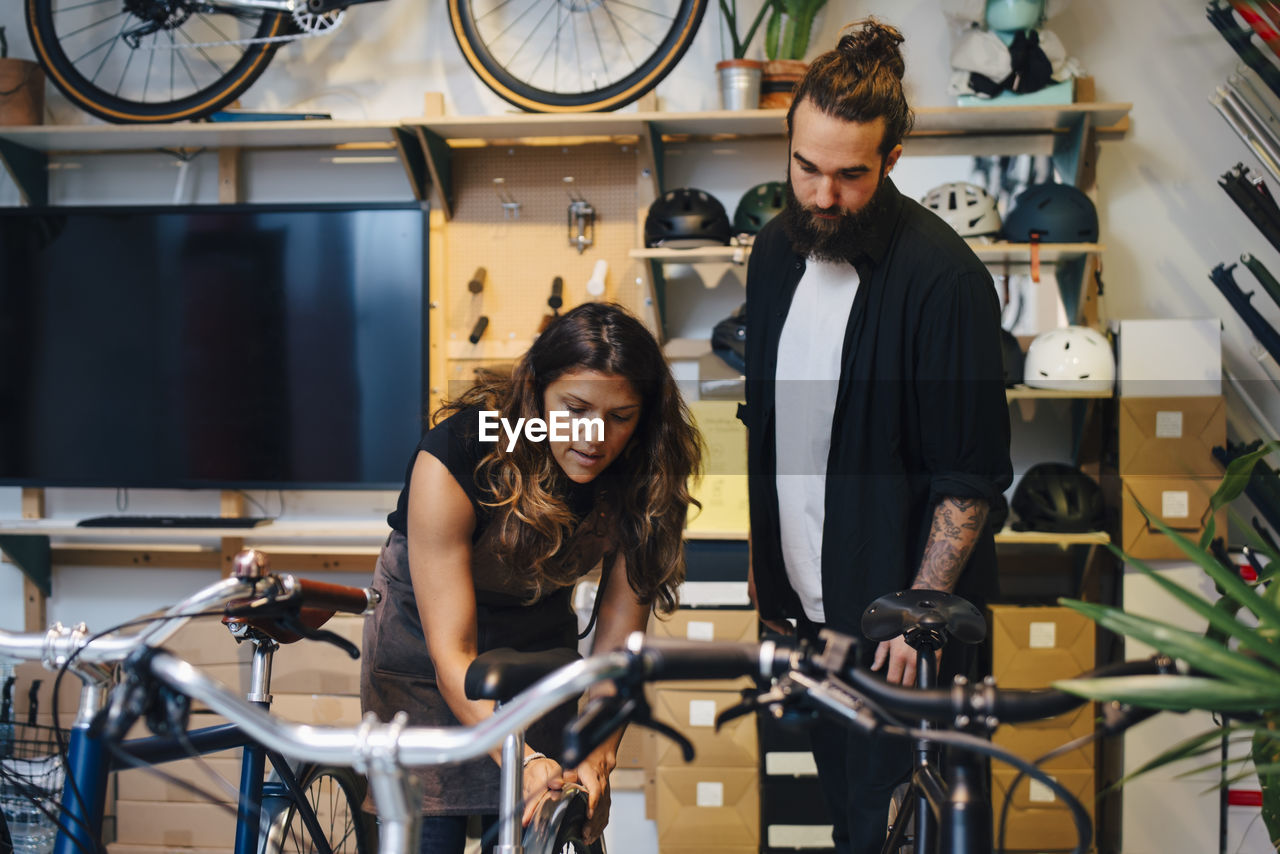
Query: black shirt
[
  {"x": 455, "y": 441},
  {"x": 920, "y": 410}
]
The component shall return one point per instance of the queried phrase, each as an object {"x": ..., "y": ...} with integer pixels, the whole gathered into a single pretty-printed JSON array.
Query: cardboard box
[
  {"x": 29, "y": 674},
  {"x": 1170, "y": 358},
  {"x": 1034, "y": 739},
  {"x": 1171, "y": 436},
  {"x": 735, "y": 625},
  {"x": 187, "y": 825},
  {"x": 1033, "y": 646},
  {"x": 323, "y": 709},
  {"x": 1182, "y": 503},
  {"x": 694, "y": 713},
  {"x": 207, "y": 641},
  {"x": 311, "y": 667},
  {"x": 141, "y": 784},
  {"x": 1038, "y": 819},
  {"x": 699, "y": 806},
  {"x": 638, "y": 748}
]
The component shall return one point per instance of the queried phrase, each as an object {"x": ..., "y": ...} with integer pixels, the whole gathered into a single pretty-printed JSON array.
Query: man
[{"x": 878, "y": 431}]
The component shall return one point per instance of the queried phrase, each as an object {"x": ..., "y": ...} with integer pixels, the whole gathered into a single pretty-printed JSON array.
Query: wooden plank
[
  {"x": 133, "y": 555},
  {"x": 35, "y": 615},
  {"x": 233, "y": 504},
  {"x": 32, "y": 503},
  {"x": 229, "y": 175}
]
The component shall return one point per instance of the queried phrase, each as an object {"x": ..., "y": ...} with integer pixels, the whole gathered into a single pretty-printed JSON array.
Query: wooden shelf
[
  {"x": 1045, "y": 538},
  {"x": 424, "y": 144},
  {"x": 990, "y": 253},
  {"x": 1022, "y": 392}
]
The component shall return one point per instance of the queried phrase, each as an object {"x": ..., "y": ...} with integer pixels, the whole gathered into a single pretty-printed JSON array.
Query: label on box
[
  {"x": 1042, "y": 635},
  {"x": 800, "y": 835},
  {"x": 702, "y": 713},
  {"x": 709, "y": 794},
  {"x": 1175, "y": 504},
  {"x": 790, "y": 763},
  {"x": 1169, "y": 425},
  {"x": 1039, "y": 793},
  {"x": 700, "y": 630}
]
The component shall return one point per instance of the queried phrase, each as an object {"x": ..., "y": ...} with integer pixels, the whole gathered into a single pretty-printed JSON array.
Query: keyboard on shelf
[{"x": 172, "y": 521}]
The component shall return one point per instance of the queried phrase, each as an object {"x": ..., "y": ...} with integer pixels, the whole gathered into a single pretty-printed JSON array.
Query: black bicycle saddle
[
  {"x": 500, "y": 674},
  {"x": 899, "y": 613}
]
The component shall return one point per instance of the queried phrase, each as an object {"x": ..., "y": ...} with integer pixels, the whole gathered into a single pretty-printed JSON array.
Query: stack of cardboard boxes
[
  {"x": 1030, "y": 648},
  {"x": 1171, "y": 415},
  {"x": 158, "y": 817},
  {"x": 710, "y": 805}
]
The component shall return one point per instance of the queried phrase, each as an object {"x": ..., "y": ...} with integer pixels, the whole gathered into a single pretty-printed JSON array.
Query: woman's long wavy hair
[{"x": 650, "y": 476}]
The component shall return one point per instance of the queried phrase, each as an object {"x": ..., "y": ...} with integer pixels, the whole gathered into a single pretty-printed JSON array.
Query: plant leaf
[
  {"x": 1217, "y": 619},
  {"x": 1229, "y": 581},
  {"x": 1174, "y": 693},
  {"x": 1198, "y": 651}
]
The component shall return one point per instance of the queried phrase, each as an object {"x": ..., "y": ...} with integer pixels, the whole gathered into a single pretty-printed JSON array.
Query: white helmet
[
  {"x": 967, "y": 208},
  {"x": 1073, "y": 358}
]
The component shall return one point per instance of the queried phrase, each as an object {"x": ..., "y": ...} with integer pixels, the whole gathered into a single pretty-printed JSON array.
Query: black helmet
[
  {"x": 1014, "y": 360},
  {"x": 1058, "y": 213},
  {"x": 759, "y": 205},
  {"x": 685, "y": 218},
  {"x": 729, "y": 339},
  {"x": 1060, "y": 498}
]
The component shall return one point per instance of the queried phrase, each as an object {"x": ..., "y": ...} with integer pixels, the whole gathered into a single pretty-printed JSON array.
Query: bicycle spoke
[
  {"x": 613, "y": 22},
  {"x": 113, "y": 42}
]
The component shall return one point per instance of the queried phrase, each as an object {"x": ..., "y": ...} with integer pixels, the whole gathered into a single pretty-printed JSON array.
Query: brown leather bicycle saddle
[{"x": 899, "y": 613}]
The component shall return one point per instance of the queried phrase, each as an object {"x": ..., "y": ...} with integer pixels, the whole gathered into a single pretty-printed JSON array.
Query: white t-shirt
[{"x": 808, "y": 376}]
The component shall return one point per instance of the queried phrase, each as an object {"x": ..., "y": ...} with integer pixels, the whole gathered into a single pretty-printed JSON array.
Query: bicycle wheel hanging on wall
[
  {"x": 134, "y": 61},
  {"x": 573, "y": 55}
]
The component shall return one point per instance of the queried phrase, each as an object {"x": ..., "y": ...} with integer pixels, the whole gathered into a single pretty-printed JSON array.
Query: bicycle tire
[
  {"x": 335, "y": 794},
  {"x": 557, "y": 826},
  {"x": 493, "y": 51},
  {"x": 106, "y": 83}
]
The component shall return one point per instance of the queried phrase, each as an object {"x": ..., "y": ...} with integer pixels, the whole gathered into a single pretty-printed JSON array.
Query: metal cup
[{"x": 739, "y": 84}]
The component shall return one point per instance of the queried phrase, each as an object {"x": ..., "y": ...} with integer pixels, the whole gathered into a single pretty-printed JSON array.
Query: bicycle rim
[
  {"x": 573, "y": 55},
  {"x": 335, "y": 794},
  {"x": 127, "y": 61}
]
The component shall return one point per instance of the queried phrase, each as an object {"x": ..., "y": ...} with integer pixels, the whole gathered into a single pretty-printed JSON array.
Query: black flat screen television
[{"x": 212, "y": 346}]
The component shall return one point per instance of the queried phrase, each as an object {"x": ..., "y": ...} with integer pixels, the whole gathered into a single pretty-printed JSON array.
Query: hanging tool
[
  {"x": 595, "y": 284},
  {"x": 476, "y": 285},
  {"x": 478, "y": 330},
  {"x": 554, "y": 302},
  {"x": 582, "y": 218}
]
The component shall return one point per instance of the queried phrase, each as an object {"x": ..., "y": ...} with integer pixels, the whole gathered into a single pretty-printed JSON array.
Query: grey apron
[{"x": 396, "y": 672}]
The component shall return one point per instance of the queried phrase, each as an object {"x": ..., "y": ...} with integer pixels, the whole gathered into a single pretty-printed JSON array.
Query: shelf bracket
[
  {"x": 1069, "y": 148},
  {"x": 29, "y": 170},
  {"x": 439, "y": 165},
  {"x": 31, "y": 554},
  {"x": 414, "y": 162}
]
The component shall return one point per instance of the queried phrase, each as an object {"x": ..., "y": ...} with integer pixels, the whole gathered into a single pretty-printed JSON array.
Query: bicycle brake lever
[
  {"x": 601, "y": 717},
  {"x": 294, "y": 623},
  {"x": 750, "y": 704}
]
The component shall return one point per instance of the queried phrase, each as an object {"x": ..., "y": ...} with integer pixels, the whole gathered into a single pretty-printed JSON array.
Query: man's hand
[{"x": 901, "y": 659}]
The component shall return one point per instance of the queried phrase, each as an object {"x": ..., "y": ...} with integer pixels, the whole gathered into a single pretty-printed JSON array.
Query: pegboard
[{"x": 523, "y": 250}]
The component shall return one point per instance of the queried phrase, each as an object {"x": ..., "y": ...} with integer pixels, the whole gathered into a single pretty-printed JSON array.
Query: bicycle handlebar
[{"x": 334, "y": 597}]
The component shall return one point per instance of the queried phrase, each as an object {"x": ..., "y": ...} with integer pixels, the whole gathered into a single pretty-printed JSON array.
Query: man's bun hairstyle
[{"x": 861, "y": 81}]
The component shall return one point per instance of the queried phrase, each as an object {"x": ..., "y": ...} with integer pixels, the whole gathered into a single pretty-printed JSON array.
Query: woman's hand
[
  {"x": 593, "y": 775},
  {"x": 540, "y": 776}
]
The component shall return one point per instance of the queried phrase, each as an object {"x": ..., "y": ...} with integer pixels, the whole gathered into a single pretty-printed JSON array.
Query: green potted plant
[
  {"x": 1236, "y": 663},
  {"x": 21, "y": 88},
  {"x": 786, "y": 42},
  {"x": 738, "y": 76}
]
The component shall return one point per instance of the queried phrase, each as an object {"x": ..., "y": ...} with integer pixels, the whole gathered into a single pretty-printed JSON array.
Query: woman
[{"x": 488, "y": 538}]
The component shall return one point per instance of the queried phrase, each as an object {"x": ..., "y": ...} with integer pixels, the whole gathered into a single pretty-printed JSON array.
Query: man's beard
[{"x": 829, "y": 240}]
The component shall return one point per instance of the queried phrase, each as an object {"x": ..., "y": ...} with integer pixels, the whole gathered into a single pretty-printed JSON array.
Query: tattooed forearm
[{"x": 956, "y": 524}]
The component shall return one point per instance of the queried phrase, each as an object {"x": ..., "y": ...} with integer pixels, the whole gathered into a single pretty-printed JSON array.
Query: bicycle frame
[
  {"x": 942, "y": 808},
  {"x": 89, "y": 763}
]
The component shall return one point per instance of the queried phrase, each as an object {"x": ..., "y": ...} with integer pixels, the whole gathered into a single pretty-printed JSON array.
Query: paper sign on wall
[{"x": 1039, "y": 793}]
